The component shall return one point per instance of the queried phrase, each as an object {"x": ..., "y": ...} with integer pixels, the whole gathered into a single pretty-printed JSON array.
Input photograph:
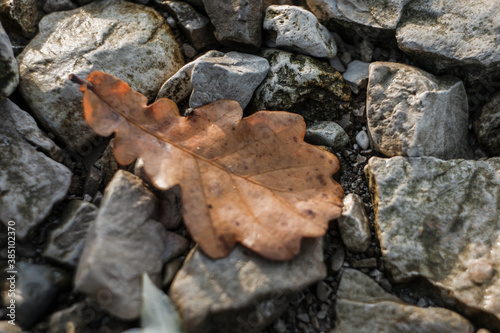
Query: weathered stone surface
[
  {"x": 376, "y": 19},
  {"x": 296, "y": 29},
  {"x": 51, "y": 6},
  {"x": 36, "y": 290},
  {"x": 356, "y": 75},
  {"x": 21, "y": 17},
  {"x": 31, "y": 182},
  {"x": 122, "y": 244},
  {"x": 440, "y": 220},
  {"x": 195, "y": 26},
  {"x": 234, "y": 76},
  {"x": 327, "y": 133},
  {"x": 363, "y": 306},
  {"x": 227, "y": 295},
  {"x": 66, "y": 242},
  {"x": 354, "y": 226},
  {"x": 413, "y": 113},
  {"x": 302, "y": 84},
  {"x": 9, "y": 73},
  {"x": 179, "y": 87},
  {"x": 487, "y": 126},
  {"x": 237, "y": 22},
  {"x": 453, "y": 36},
  {"x": 129, "y": 41}
]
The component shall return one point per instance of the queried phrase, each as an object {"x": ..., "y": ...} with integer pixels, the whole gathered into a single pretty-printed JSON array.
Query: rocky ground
[{"x": 405, "y": 93}]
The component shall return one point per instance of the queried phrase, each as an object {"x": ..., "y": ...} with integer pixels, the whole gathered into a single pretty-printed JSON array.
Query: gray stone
[
  {"x": 337, "y": 259},
  {"x": 51, "y": 6},
  {"x": 243, "y": 291},
  {"x": 79, "y": 314},
  {"x": 237, "y": 22},
  {"x": 487, "y": 124},
  {"x": 9, "y": 73},
  {"x": 375, "y": 19},
  {"x": 413, "y": 113},
  {"x": 122, "y": 244},
  {"x": 234, "y": 76},
  {"x": 304, "y": 85},
  {"x": 356, "y": 75},
  {"x": 21, "y": 17},
  {"x": 195, "y": 26},
  {"x": 297, "y": 30},
  {"x": 179, "y": 87},
  {"x": 459, "y": 37},
  {"x": 354, "y": 226},
  {"x": 362, "y": 140},
  {"x": 129, "y": 41},
  {"x": 36, "y": 290},
  {"x": 327, "y": 133},
  {"x": 175, "y": 245},
  {"x": 337, "y": 64},
  {"x": 66, "y": 242},
  {"x": 439, "y": 220},
  {"x": 364, "y": 307},
  {"x": 31, "y": 182}
]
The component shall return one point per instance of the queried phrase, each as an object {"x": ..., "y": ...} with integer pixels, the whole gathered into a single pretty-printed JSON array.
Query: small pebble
[
  {"x": 188, "y": 50},
  {"x": 362, "y": 140},
  {"x": 346, "y": 58},
  {"x": 337, "y": 259},
  {"x": 337, "y": 64},
  {"x": 280, "y": 326},
  {"x": 421, "y": 302},
  {"x": 303, "y": 317},
  {"x": 171, "y": 22},
  {"x": 322, "y": 314},
  {"x": 323, "y": 291}
]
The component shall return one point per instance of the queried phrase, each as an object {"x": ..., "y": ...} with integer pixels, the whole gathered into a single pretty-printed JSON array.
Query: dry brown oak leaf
[{"x": 252, "y": 180}]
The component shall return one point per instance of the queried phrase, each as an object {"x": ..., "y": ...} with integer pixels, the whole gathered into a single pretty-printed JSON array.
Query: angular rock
[
  {"x": 129, "y": 41},
  {"x": 487, "y": 126},
  {"x": 458, "y": 37},
  {"x": 413, "y": 113},
  {"x": 195, "y": 26},
  {"x": 36, "y": 290},
  {"x": 234, "y": 76},
  {"x": 9, "y": 73},
  {"x": 356, "y": 75},
  {"x": 21, "y": 17},
  {"x": 363, "y": 306},
  {"x": 354, "y": 226},
  {"x": 31, "y": 182},
  {"x": 122, "y": 244},
  {"x": 237, "y": 22},
  {"x": 66, "y": 242},
  {"x": 439, "y": 220},
  {"x": 296, "y": 29},
  {"x": 179, "y": 87},
  {"x": 304, "y": 85},
  {"x": 175, "y": 245},
  {"x": 376, "y": 19},
  {"x": 242, "y": 292},
  {"x": 327, "y": 133}
]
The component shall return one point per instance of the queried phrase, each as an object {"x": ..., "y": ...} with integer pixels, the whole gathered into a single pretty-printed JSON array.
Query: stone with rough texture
[
  {"x": 122, "y": 244},
  {"x": 327, "y": 133},
  {"x": 66, "y": 242},
  {"x": 459, "y": 37},
  {"x": 303, "y": 85},
  {"x": 413, "y": 113},
  {"x": 195, "y": 26},
  {"x": 354, "y": 226},
  {"x": 129, "y": 41},
  {"x": 37, "y": 288},
  {"x": 487, "y": 126},
  {"x": 440, "y": 220},
  {"x": 374, "y": 19},
  {"x": 9, "y": 73},
  {"x": 356, "y": 75},
  {"x": 364, "y": 307},
  {"x": 242, "y": 292},
  {"x": 51, "y": 6},
  {"x": 234, "y": 76},
  {"x": 21, "y": 17},
  {"x": 296, "y": 29},
  {"x": 31, "y": 181},
  {"x": 237, "y": 22},
  {"x": 179, "y": 87}
]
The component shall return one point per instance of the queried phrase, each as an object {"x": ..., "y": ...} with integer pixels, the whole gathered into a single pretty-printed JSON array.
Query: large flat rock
[
  {"x": 440, "y": 220},
  {"x": 121, "y": 38}
]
